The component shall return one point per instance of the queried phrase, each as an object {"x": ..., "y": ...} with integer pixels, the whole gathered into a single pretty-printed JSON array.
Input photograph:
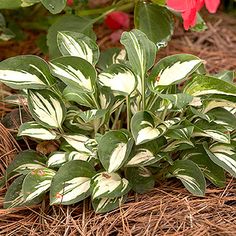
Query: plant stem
[
  {"x": 117, "y": 116},
  {"x": 143, "y": 93},
  {"x": 95, "y": 101},
  {"x": 128, "y": 107}
]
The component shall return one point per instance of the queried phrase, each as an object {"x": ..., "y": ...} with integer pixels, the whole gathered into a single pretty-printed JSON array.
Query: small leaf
[
  {"x": 140, "y": 179},
  {"x": 114, "y": 149},
  {"x": 78, "y": 45},
  {"x": 36, "y": 183},
  {"x": 190, "y": 175},
  {"x": 173, "y": 70},
  {"x": 224, "y": 156},
  {"x": 109, "y": 185},
  {"x": 75, "y": 72},
  {"x": 143, "y": 127},
  {"x": 47, "y": 108},
  {"x": 54, "y": 6},
  {"x": 71, "y": 183},
  {"x": 57, "y": 159},
  {"x": 119, "y": 78},
  {"x": 103, "y": 205},
  {"x": 34, "y": 130}
]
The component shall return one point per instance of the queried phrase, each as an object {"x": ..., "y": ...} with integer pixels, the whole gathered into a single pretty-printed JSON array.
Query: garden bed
[{"x": 168, "y": 209}]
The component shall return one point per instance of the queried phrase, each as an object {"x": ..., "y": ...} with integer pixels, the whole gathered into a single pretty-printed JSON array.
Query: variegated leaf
[
  {"x": 224, "y": 156},
  {"x": 190, "y": 175},
  {"x": 141, "y": 51},
  {"x": 206, "y": 85},
  {"x": 25, "y": 72},
  {"x": 78, "y": 142},
  {"x": 140, "y": 178},
  {"x": 78, "y": 45},
  {"x": 24, "y": 162},
  {"x": 119, "y": 78},
  {"x": 114, "y": 149},
  {"x": 216, "y": 131},
  {"x": 212, "y": 171},
  {"x": 173, "y": 70},
  {"x": 145, "y": 154},
  {"x": 36, "y": 183},
  {"x": 71, "y": 183},
  {"x": 178, "y": 145},
  {"x": 75, "y": 72},
  {"x": 47, "y": 108},
  {"x": 109, "y": 185},
  {"x": 14, "y": 195},
  {"x": 103, "y": 205},
  {"x": 84, "y": 99},
  {"x": 34, "y": 130},
  {"x": 57, "y": 159}
]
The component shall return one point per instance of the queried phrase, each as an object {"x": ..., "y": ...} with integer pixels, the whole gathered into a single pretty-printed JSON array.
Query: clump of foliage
[{"x": 122, "y": 122}]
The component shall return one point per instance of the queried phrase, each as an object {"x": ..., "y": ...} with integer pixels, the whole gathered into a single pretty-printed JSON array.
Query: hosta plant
[{"x": 122, "y": 122}]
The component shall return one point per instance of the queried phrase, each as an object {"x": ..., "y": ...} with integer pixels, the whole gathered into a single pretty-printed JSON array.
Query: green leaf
[
  {"x": 24, "y": 162},
  {"x": 54, "y": 6},
  {"x": 190, "y": 175},
  {"x": 155, "y": 21},
  {"x": 119, "y": 78},
  {"x": 224, "y": 117},
  {"x": 180, "y": 134},
  {"x": 206, "y": 85},
  {"x": 34, "y": 130},
  {"x": 78, "y": 45},
  {"x": 25, "y": 72},
  {"x": 103, "y": 205},
  {"x": 57, "y": 159},
  {"x": 14, "y": 195},
  {"x": 68, "y": 23},
  {"x": 140, "y": 179},
  {"x": 46, "y": 108},
  {"x": 143, "y": 127},
  {"x": 75, "y": 72},
  {"x": 78, "y": 142},
  {"x": 36, "y": 183},
  {"x": 71, "y": 183},
  {"x": 226, "y": 75},
  {"x": 216, "y": 131},
  {"x": 212, "y": 171},
  {"x": 114, "y": 149},
  {"x": 75, "y": 95},
  {"x": 109, "y": 57},
  {"x": 141, "y": 51},
  {"x": 145, "y": 154},
  {"x": 109, "y": 185},
  {"x": 200, "y": 24},
  {"x": 173, "y": 70},
  {"x": 10, "y": 4},
  {"x": 224, "y": 156}
]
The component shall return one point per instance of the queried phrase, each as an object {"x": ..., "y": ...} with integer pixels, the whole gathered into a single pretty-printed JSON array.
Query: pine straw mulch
[{"x": 168, "y": 209}]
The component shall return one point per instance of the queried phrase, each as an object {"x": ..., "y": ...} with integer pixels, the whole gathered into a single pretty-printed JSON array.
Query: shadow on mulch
[{"x": 168, "y": 209}]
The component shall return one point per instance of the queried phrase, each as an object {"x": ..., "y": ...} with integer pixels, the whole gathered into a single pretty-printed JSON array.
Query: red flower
[
  {"x": 70, "y": 2},
  {"x": 189, "y": 9},
  {"x": 117, "y": 20}
]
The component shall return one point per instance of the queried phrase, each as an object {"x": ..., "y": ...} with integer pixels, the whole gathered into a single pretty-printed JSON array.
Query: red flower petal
[
  {"x": 182, "y": 5},
  {"x": 190, "y": 18},
  {"x": 117, "y": 20},
  {"x": 212, "y": 5}
]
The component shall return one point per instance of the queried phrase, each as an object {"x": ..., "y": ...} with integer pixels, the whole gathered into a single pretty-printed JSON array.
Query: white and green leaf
[
  {"x": 109, "y": 185},
  {"x": 114, "y": 149},
  {"x": 78, "y": 45},
  {"x": 47, "y": 108},
  {"x": 75, "y": 72},
  {"x": 34, "y": 130},
  {"x": 71, "y": 183},
  {"x": 119, "y": 78},
  {"x": 36, "y": 183},
  {"x": 190, "y": 175}
]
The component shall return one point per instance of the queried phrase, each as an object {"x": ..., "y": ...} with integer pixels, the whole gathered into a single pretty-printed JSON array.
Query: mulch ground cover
[{"x": 168, "y": 209}]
